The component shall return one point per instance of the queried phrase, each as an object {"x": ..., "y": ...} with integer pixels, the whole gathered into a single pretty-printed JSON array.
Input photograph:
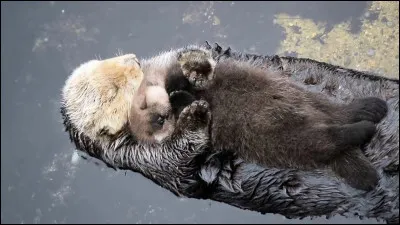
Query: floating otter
[
  {"x": 265, "y": 118},
  {"x": 185, "y": 170}
]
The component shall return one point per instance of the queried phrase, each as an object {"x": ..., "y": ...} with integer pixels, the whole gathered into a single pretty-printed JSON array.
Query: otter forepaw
[
  {"x": 195, "y": 116},
  {"x": 179, "y": 100},
  {"x": 371, "y": 109},
  {"x": 197, "y": 66}
]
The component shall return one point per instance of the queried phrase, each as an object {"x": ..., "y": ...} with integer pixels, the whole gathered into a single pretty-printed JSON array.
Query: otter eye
[{"x": 160, "y": 120}]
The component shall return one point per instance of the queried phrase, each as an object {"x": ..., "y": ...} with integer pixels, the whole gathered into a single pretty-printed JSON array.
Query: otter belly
[{"x": 258, "y": 126}]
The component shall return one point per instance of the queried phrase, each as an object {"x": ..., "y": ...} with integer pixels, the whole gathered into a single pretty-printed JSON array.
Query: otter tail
[{"x": 356, "y": 169}]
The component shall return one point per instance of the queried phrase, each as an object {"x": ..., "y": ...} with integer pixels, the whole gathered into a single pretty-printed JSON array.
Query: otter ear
[{"x": 142, "y": 103}]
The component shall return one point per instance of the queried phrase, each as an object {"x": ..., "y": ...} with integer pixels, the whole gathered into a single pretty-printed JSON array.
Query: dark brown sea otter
[{"x": 264, "y": 117}]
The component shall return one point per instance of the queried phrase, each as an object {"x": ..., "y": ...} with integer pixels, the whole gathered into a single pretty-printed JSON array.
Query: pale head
[{"x": 98, "y": 94}]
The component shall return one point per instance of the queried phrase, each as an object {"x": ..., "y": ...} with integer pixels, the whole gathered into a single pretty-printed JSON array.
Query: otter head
[
  {"x": 151, "y": 118},
  {"x": 97, "y": 96}
]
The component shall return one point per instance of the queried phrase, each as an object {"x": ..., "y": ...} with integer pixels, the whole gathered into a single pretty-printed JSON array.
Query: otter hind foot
[
  {"x": 371, "y": 109},
  {"x": 355, "y": 134}
]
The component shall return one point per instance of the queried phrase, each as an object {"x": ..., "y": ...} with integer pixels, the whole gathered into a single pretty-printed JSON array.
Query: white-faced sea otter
[{"x": 186, "y": 168}]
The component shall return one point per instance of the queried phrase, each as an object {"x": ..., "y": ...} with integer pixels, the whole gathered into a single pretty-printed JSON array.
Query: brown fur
[
  {"x": 276, "y": 123},
  {"x": 267, "y": 119}
]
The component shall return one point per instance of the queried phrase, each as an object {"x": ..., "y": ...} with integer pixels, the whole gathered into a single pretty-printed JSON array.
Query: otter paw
[
  {"x": 197, "y": 66},
  {"x": 195, "y": 116},
  {"x": 371, "y": 109},
  {"x": 178, "y": 94},
  {"x": 179, "y": 100}
]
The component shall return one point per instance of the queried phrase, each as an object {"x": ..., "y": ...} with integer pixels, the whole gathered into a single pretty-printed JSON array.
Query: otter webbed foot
[
  {"x": 370, "y": 109},
  {"x": 356, "y": 134}
]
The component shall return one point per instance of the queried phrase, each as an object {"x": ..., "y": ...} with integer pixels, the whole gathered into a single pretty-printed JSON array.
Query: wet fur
[{"x": 187, "y": 169}]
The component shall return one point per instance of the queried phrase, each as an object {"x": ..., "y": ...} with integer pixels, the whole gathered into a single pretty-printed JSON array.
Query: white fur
[
  {"x": 160, "y": 137},
  {"x": 156, "y": 94},
  {"x": 93, "y": 102}
]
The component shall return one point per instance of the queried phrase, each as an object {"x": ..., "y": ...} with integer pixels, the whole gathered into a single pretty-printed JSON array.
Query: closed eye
[{"x": 158, "y": 120}]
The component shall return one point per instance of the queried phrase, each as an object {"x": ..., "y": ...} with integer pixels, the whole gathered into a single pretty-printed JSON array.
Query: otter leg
[
  {"x": 328, "y": 142},
  {"x": 197, "y": 66},
  {"x": 349, "y": 135},
  {"x": 356, "y": 170},
  {"x": 371, "y": 109}
]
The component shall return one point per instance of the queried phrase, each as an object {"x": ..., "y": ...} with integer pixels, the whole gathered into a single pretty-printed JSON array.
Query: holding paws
[{"x": 195, "y": 116}]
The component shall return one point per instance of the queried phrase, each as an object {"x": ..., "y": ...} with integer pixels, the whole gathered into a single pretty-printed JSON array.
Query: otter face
[
  {"x": 97, "y": 95},
  {"x": 151, "y": 118}
]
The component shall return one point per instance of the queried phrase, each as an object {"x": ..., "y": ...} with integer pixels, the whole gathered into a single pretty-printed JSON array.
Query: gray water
[{"x": 42, "y": 178}]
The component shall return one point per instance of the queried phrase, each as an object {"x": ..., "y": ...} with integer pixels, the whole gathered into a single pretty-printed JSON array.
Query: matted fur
[{"x": 186, "y": 168}]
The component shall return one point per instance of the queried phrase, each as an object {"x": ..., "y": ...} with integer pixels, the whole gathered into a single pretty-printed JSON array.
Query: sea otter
[
  {"x": 264, "y": 117},
  {"x": 228, "y": 179}
]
